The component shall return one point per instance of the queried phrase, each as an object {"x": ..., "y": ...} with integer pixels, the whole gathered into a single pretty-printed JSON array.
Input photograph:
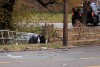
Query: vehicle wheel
[
  {"x": 73, "y": 22},
  {"x": 86, "y": 23},
  {"x": 95, "y": 21}
]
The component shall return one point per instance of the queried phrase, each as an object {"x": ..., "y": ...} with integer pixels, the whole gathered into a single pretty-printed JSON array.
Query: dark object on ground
[
  {"x": 37, "y": 39},
  {"x": 42, "y": 39},
  {"x": 33, "y": 39}
]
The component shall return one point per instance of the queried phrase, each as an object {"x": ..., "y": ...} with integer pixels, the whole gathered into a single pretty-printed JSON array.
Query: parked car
[{"x": 93, "y": 15}]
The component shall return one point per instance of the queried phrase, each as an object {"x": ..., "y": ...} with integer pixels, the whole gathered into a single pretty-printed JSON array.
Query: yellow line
[
  {"x": 93, "y": 66},
  {"x": 5, "y": 62},
  {"x": 90, "y": 58},
  {"x": 8, "y": 62},
  {"x": 11, "y": 62},
  {"x": 18, "y": 61}
]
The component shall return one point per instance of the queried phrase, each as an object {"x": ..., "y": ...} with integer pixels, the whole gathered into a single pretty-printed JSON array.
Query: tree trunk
[{"x": 6, "y": 14}]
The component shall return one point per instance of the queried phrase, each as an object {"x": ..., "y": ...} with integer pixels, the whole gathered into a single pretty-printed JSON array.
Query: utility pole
[
  {"x": 86, "y": 4},
  {"x": 84, "y": 17},
  {"x": 65, "y": 24},
  {"x": 98, "y": 2}
]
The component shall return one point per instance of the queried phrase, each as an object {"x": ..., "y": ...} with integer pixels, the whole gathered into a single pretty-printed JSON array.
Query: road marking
[
  {"x": 90, "y": 58},
  {"x": 5, "y": 62},
  {"x": 75, "y": 53},
  {"x": 34, "y": 61},
  {"x": 22, "y": 61},
  {"x": 19, "y": 61},
  {"x": 93, "y": 66},
  {"x": 12, "y": 62},
  {"x": 65, "y": 59}
]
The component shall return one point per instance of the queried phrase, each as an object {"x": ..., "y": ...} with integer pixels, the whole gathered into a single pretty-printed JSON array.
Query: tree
[
  {"x": 6, "y": 10},
  {"x": 46, "y": 3}
]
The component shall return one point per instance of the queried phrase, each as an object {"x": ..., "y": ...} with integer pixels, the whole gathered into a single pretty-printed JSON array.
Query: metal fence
[
  {"x": 75, "y": 36},
  {"x": 11, "y": 37},
  {"x": 84, "y": 35}
]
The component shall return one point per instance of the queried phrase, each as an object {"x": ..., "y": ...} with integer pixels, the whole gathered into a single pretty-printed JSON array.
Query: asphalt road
[
  {"x": 74, "y": 57},
  {"x": 70, "y": 26},
  {"x": 59, "y": 25}
]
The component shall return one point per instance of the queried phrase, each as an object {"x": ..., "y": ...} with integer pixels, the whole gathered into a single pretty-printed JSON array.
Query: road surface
[
  {"x": 59, "y": 25},
  {"x": 74, "y": 57},
  {"x": 70, "y": 26}
]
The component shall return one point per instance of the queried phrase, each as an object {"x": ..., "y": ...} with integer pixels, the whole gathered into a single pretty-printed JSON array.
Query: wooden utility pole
[
  {"x": 84, "y": 18},
  {"x": 65, "y": 24},
  {"x": 86, "y": 4}
]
